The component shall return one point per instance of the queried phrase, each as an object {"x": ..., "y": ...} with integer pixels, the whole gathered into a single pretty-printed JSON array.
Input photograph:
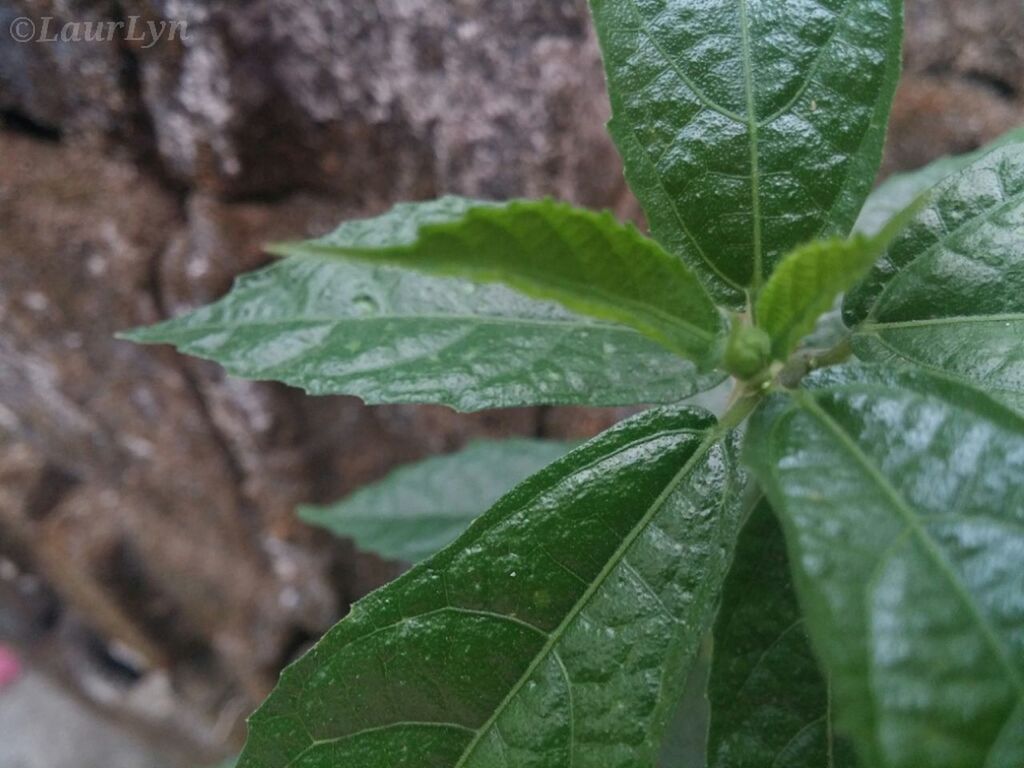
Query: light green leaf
[
  {"x": 769, "y": 700},
  {"x": 902, "y": 497},
  {"x": 390, "y": 336},
  {"x": 897, "y": 192},
  {"x": 749, "y": 127},
  {"x": 421, "y": 508},
  {"x": 557, "y": 631},
  {"x": 949, "y": 294},
  {"x": 586, "y": 261},
  {"x": 810, "y": 279}
]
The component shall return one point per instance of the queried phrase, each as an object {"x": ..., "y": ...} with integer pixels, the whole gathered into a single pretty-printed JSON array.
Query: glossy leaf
[
  {"x": 749, "y": 127},
  {"x": 949, "y": 294},
  {"x": 421, "y": 508},
  {"x": 902, "y": 496},
  {"x": 899, "y": 191},
  {"x": 390, "y": 336},
  {"x": 587, "y": 261},
  {"x": 810, "y": 279},
  {"x": 557, "y": 631},
  {"x": 769, "y": 700}
]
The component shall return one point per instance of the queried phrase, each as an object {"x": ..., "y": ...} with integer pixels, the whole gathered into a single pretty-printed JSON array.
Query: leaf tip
[
  {"x": 143, "y": 334},
  {"x": 287, "y": 249}
]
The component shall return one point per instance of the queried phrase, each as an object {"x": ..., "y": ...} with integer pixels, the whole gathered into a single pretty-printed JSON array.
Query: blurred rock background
[{"x": 150, "y": 562}]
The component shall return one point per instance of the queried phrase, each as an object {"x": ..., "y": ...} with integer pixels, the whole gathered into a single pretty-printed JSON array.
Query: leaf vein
[
  {"x": 921, "y": 535},
  {"x": 713, "y": 435},
  {"x": 698, "y": 94}
]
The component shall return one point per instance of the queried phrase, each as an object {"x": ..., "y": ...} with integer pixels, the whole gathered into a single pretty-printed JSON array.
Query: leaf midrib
[
  {"x": 569, "y": 291},
  {"x": 715, "y": 433},
  {"x": 755, "y": 157},
  {"x": 880, "y": 326},
  {"x": 678, "y": 215},
  {"x": 920, "y": 534},
  {"x": 229, "y": 325}
]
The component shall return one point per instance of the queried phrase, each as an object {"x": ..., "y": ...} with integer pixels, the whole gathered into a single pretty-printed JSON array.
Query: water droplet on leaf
[{"x": 364, "y": 304}]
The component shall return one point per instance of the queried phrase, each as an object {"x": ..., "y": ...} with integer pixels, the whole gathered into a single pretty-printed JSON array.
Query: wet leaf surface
[
  {"x": 558, "y": 630},
  {"x": 902, "y": 498}
]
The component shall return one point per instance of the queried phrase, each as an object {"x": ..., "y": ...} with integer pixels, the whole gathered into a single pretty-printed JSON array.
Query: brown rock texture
[
  {"x": 964, "y": 79},
  {"x": 149, "y": 554},
  {"x": 151, "y": 495},
  {"x": 483, "y": 96}
]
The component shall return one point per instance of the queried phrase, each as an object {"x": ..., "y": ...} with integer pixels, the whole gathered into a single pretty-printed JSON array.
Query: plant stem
[
  {"x": 806, "y": 362},
  {"x": 742, "y": 403},
  {"x": 840, "y": 353}
]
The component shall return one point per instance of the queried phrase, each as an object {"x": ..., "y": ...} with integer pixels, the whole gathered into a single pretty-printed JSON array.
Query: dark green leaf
[
  {"x": 557, "y": 631},
  {"x": 390, "y": 336},
  {"x": 902, "y": 497},
  {"x": 769, "y": 701},
  {"x": 419, "y": 509},
  {"x": 949, "y": 294},
  {"x": 749, "y": 127},
  {"x": 587, "y": 261},
  {"x": 810, "y": 279},
  {"x": 897, "y": 192}
]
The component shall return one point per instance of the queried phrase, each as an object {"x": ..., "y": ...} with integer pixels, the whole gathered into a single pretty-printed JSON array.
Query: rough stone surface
[
  {"x": 148, "y": 550},
  {"x": 63, "y": 87},
  {"x": 367, "y": 99},
  {"x": 474, "y": 96},
  {"x": 964, "y": 82},
  {"x": 372, "y": 100},
  {"x": 133, "y": 511},
  {"x": 153, "y": 496}
]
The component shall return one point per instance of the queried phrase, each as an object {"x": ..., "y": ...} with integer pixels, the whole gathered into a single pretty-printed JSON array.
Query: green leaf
[
  {"x": 897, "y": 192},
  {"x": 390, "y": 336},
  {"x": 749, "y": 127},
  {"x": 421, "y": 508},
  {"x": 902, "y": 497},
  {"x": 810, "y": 279},
  {"x": 769, "y": 700},
  {"x": 586, "y": 261},
  {"x": 557, "y": 631},
  {"x": 949, "y": 294}
]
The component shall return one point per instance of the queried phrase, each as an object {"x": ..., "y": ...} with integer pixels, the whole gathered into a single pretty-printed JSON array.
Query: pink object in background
[{"x": 10, "y": 667}]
